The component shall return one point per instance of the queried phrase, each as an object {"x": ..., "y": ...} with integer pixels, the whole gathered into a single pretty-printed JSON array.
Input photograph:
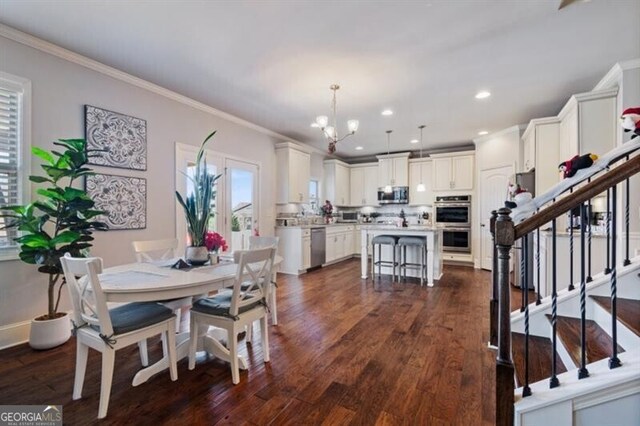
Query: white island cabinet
[{"x": 434, "y": 248}]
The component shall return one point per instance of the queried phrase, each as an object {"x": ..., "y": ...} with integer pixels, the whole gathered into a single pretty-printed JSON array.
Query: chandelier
[{"x": 331, "y": 132}]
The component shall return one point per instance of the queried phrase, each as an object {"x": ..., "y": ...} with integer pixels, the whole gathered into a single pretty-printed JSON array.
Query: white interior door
[
  {"x": 241, "y": 211},
  {"x": 493, "y": 190}
]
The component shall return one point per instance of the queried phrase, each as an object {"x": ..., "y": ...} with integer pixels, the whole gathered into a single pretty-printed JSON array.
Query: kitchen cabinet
[
  {"x": 542, "y": 137},
  {"x": 337, "y": 181},
  {"x": 295, "y": 248},
  {"x": 588, "y": 123},
  {"x": 364, "y": 185},
  {"x": 420, "y": 170},
  {"x": 393, "y": 169},
  {"x": 293, "y": 174},
  {"x": 453, "y": 172},
  {"x": 339, "y": 242}
]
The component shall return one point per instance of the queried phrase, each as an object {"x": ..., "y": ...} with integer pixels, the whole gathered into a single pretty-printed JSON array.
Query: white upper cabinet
[
  {"x": 541, "y": 151},
  {"x": 420, "y": 170},
  {"x": 453, "y": 171},
  {"x": 588, "y": 123},
  {"x": 337, "y": 181},
  {"x": 364, "y": 185},
  {"x": 393, "y": 169},
  {"x": 293, "y": 174}
]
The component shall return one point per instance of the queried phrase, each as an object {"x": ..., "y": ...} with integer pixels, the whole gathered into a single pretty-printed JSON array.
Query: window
[
  {"x": 314, "y": 194},
  {"x": 14, "y": 152}
]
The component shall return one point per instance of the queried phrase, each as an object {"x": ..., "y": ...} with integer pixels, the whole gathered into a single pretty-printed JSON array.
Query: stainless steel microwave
[{"x": 398, "y": 195}]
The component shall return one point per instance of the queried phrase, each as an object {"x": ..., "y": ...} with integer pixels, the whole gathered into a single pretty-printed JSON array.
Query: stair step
[
  {"x": 628, "y": 311},
  {"x": 599, "y": 343},
  {"x": 539, "y": 358}
]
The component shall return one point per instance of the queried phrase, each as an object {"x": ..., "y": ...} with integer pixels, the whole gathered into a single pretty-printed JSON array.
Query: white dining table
[{"x": 146, "y": 282}]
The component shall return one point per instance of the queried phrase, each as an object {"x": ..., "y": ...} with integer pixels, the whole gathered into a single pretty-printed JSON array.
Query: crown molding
[
  {"x": 519, "y": 128},
  {"x": 587, "y": 96},
  {"x": 613, "y": 78},
  {"x": 55, "y": 50},
  {"x": 539, "y": 122}
]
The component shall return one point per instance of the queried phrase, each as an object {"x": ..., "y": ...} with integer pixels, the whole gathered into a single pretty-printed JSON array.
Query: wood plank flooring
[{"x": 346, "y": 351}]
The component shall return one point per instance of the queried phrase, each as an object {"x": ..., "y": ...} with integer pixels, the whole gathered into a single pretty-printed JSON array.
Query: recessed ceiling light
[
  {"x": 414, "y": 141},
  {"x": 387, "y": 112},
  {"x": 358, "y": 148},
  {"x": 483, "y": 132},
  {"x": 483, "y": 94},
  {"x": 315, "y": 125}
]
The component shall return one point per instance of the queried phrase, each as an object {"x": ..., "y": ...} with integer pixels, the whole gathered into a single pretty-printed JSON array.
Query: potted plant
[
  {"x": 198, "y": 207},
  {"x": 60, "y": 221}
]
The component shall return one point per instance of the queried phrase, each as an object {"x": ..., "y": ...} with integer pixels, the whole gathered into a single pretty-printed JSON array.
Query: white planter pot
[
  {"x": 196, "y": 255},
  {"x": 48, "y": 334}
]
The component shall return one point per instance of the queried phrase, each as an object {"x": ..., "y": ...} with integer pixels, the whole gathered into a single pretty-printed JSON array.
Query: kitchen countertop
[
  {"x": 372, "y": 225},
  {"x": 386, "y": 227}
]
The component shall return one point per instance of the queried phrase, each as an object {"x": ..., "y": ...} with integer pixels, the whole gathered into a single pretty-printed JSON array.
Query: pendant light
[
  {"x": 388, "y": 189},
  {"x": 421, "y": 187}
]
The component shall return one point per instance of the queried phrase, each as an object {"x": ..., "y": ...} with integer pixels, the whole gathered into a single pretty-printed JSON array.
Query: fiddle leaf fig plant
[{"x": 61, "y": 220}]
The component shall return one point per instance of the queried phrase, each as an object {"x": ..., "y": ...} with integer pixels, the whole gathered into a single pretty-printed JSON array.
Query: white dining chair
[
  {"x": 107, "y": 330},
  {"x": 157, "y": 250},
  {"x": 234, "y": 310},
  {"x": 256, "y": 242}
]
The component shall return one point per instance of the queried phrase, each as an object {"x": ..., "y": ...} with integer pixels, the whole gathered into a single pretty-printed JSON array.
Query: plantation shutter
[{"x": 9, "y": 158}]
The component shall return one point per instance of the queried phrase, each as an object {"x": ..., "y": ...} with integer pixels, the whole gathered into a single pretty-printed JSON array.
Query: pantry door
[{"x": 493, "y": 190}]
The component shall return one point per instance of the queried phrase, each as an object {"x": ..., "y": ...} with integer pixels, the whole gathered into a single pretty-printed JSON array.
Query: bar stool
[
  {"x": 380, "y": 241},
  {"x": 421, "y": 244}
]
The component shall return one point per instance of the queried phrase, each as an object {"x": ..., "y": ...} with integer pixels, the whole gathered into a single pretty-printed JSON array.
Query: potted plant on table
[
  {"x": 198, "y": 207},
  {"x": 60, "y": 221}
]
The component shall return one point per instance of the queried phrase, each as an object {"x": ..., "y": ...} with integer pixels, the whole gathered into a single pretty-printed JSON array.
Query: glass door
[{"x": 241, "y": 218}]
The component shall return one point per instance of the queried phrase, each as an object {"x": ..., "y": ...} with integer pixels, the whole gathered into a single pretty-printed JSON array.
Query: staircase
[{"x": 573, "y": 357}]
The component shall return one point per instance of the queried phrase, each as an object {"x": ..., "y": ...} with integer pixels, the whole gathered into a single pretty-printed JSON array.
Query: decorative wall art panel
[
  {"x": 124, "y": 137},
  {"x": 123, "y": 198}
]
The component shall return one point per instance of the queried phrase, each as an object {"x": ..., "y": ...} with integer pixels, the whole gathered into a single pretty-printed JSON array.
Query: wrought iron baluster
[
  {"x": 583, "y": 372},
  {"x": 553, "y": 381},
  {"x": 538, "y": 301},
  {"x": 614, "y": 361},
  {"x": 607, "y": 269},
  {"x": 523, "y": 262},
  {"x": 571, "y": 286},
  {"x": 589, "y": 235},
  {"x": 626, "y": 221},
  {"x": 526, "y": 390}
]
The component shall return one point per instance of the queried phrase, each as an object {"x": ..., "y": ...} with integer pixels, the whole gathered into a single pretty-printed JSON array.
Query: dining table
[{"x": 158, "y": 281}]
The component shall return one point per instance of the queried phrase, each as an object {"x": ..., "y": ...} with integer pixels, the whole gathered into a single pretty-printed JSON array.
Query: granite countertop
[
  {"x": 363, "y": 225},
  {"x": 386, "y": 227}
]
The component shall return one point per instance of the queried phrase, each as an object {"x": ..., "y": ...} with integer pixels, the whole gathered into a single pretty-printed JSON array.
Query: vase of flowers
[
  {"x": 327, "y": 211},
  {"x": 214, "y": 242},
  {"x": 198, "y": 207}
]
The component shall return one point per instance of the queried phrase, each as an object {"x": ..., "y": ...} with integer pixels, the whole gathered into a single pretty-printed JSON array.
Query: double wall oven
[{"x": 453, "y": 214}]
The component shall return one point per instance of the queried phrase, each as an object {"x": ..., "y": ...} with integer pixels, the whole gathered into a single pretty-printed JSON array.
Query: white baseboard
[{"x": 14, "y": 334}]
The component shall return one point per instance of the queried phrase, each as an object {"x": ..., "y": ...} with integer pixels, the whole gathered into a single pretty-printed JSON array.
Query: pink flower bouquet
[{"x": 215, "y": 242}]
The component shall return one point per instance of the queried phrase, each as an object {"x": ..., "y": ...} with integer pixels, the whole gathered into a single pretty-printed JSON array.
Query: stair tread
[
  {"x": 539, "y": 358},
  {"x": 599, "y": 343},
  {"x": 628, "y": 311}
]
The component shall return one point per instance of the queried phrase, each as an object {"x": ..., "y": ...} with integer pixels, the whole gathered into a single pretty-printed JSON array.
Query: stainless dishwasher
[{"x": 318, "y": 246}]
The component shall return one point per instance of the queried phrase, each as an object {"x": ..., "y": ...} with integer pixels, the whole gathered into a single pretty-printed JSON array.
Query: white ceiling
[{"x": 271, "y": 62}]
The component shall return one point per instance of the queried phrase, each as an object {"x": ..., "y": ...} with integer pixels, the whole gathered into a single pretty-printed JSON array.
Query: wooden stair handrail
[{"x": 595, "y": 187}]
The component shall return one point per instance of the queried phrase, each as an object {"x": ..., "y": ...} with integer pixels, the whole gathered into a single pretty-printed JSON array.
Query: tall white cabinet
[
  {"x": 393, "y": 169},
  {"x": 453, "y": 171},
  {"x": 420, "y": 170},
  {"x": 541, "y": 142},
  {"x": 337, "y": 182},
  {"x": 364, "y": 185},
  {"x": 293, "y": 173}
]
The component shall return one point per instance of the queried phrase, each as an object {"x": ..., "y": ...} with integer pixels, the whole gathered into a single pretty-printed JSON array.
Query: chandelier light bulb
[
  {"x": 353, "y": 125},
  {"x": 322, "y": 121},
  {"x": 330, "y": 131}
]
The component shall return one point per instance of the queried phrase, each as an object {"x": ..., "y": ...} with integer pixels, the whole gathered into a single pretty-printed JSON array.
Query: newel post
[
  {"x": 504, "y": 237},
  {"x": 493, "y": 303}
]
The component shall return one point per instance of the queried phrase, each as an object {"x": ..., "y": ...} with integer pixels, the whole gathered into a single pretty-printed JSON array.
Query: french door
[
  {"x": 236, "y": 204},
  {"x": 241, "y": 207}
]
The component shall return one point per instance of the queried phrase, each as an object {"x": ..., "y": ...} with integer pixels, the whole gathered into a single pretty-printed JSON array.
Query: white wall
[
  {"x": 60, "y": 89},
  {"x": 502, "y": 148}
]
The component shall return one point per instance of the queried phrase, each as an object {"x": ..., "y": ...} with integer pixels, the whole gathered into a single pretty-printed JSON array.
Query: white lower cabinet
[
  {"x": 295, "y": 248},
  {"x": 306, "y": 252},
  {"x": 339, "y": 242}
]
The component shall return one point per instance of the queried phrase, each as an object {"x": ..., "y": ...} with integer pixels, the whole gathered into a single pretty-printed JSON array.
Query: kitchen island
[{"x": 434, "y": 248}]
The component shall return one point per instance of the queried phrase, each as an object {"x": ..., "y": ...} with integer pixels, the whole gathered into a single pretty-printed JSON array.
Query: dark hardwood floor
[{"x": 346, "y": 351}]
